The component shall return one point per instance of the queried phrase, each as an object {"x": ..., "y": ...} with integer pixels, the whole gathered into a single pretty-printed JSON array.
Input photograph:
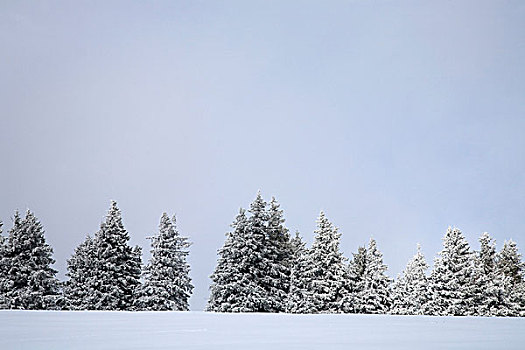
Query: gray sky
[{"x": 396, "y": 118}]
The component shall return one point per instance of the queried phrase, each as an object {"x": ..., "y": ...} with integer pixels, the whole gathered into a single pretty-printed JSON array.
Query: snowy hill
[{"x": 198, "y": 330}]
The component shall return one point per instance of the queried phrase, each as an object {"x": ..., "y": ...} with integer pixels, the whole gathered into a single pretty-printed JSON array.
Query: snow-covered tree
[
  {"x": 117, "y": 265},
  {"x": 253, "y": 269},
  {"x": 489, "y": 295},
  {"x": 28, "y": 280},
  {"x": 277, "y": 256},
  {"x": 509, "y": 262},
  {"x": 167, "y": 284},
  {"x": 235, "y": 286},
  {"x": 510, "y": 265},
  {"x": 410, "y": 292},
  {"x": 79, "y": 289},
  {"x": 354, "y": 282},
  {"x": 300, "y": 297},
  {"x": 451, "y": 279},
  {"x": 328, "y": 273},
  {"x": 374, "y": 297}
]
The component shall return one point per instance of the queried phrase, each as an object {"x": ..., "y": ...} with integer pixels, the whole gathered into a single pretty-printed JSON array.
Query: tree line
[
  {"x": 104, "y": 272},
  {"x": 260, "y": 268}
]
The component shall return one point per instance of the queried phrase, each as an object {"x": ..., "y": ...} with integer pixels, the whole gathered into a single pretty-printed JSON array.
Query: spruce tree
[
  {"x": 328, "y": 274},
  {"x": 277, "y": 255},
  {"x": 235, "y": 283},
  {"x": 300, "y": 297},
  {"x": 451, "y": 279},
  {"x": 117, "y": 265},
  {"x": 509, "y": 262},
  {"x": 79, "y": 289},
  {"x": 167, "y": 284},
  {"x": 410, "y": 293},
  {"x": 28, "y": 281},
  {"x": 355, "y": 282},
  {"x": 374, "y": 298},
  {"x": 510, "y": 265},
  {"x": 489, "y": 295}
]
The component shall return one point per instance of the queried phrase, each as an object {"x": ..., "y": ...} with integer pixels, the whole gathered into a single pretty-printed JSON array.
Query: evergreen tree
[
  {"x": 510, "y": 265},
  {"x": 79, "y": 289},
  {"x": 28, "y": 280},
  {"x": 117, "y": 265},
  {"x": 3, "y": 269},
  {"x": 410, "y": 293},
  {"x": 235, "y": 286},
  {"x": 509, "y": 262},
  {"x": 451, "y": 278},
  {"x": 277, "y": 255},
  {"x": 489, "y": 295},
  {"x": 300, "y": 298},
  {"x": 355, "y": 282},
  {"x": 374, "y": 297},
  {"x": 328, "y": 274},
  {"x": 167, "y": 284}
]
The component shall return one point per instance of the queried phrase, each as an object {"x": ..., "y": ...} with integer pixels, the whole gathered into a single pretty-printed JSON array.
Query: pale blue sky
[{"x": 398, "y": 118}]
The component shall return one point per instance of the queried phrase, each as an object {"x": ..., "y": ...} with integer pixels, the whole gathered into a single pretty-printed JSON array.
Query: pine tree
[
  {"x": 117, "y": 265},
  {"x": 79, "y": 289},
  {"x": 300, "y": 297},
  {"x": 277, "y": 255},
  {"x": 410, "y": 293},
  {"x": 328, "y": 274},
  {"x": 375, "y": 295},
  {"x": 167, "y": 284},
  {"x": 29, "y": 282},
  {"x": 451, "y": 279},
  {"x": 235, "y": 286}
]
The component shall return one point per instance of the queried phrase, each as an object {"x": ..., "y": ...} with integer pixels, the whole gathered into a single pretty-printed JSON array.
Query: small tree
[
  {"x": 79, "y": 289},
  {"x": 29, "y": 282},
  {"x": 167, "y": 284},
  {"x": 355, "y": 282},
  {"x": 410, "y": 293},
  {"x": 300, "y": 298}
]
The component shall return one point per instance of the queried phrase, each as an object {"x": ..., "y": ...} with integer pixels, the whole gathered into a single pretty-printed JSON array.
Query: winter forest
[{"x": 260, "y": 268}]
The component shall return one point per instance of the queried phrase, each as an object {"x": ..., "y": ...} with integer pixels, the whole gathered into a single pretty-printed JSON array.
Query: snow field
[{"x": 199, "y": 330}]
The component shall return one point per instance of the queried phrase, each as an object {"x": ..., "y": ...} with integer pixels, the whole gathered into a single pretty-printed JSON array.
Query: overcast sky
[{"x": 396, "y": 118}]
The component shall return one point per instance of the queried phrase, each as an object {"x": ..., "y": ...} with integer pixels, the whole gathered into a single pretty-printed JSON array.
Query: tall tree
[
  {"x": 451, "y": 278},
  {"x": 79, "y": 289},
  {"x": 235, "y": 286},
  {"x": 117, "y": 264},
  {"x": 277, "y": 255},
  {"x": 29, "y": 281},
  {"x": 328, "y": 272},
  {"x": 167, "y": 284},
  {"x": 410, "y": 293},
  {"x": 374, "y": 298}
]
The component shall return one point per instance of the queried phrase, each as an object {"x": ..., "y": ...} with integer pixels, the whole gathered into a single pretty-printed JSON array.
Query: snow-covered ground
[{"x": 198, "y": 330}]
